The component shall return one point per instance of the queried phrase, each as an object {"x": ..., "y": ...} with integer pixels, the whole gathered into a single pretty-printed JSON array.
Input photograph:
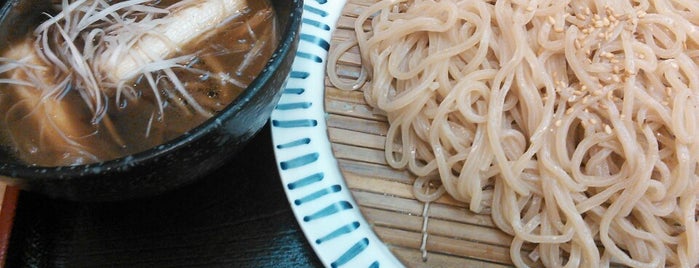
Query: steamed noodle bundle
[{"x": 574, "y": 123}]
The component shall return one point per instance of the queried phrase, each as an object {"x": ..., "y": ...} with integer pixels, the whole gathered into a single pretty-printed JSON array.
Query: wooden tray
[
  {"x": 456, "y": 236},
  {"x": 8, "y": 203}
]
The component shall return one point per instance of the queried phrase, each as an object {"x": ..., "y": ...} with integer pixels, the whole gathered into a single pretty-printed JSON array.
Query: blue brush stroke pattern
[
  {"x": 295, "y": 123},
  {"x": 299, "y": 75},
  {"x": 297, "y": 91},
  {"x": 316, "y": 40},
  {"x": 293, "y": 106},
  {"x": 318, "y": 194},
  {"x": 351, "y": 253},
  {"x": 314, "y": 10},
  {"x": 295, "y": 143},
  {"x": 317, "y": 24},
  {"x": 329, "y": 210},
  {"x": 305, "y": 181},
  {"x": 309, "y": 56},
  {"x": 339, "y": 232},
  {"x": 299, "y": 161}
]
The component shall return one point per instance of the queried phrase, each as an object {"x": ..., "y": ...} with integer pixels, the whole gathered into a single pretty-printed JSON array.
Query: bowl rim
[{"x": 289, "y": 33}]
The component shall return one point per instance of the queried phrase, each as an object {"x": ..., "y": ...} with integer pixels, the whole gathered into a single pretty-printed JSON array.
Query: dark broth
[{"x": 134, "y": 125}]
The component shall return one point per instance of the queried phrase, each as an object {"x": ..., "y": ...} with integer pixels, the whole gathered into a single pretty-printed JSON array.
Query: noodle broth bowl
[{"x": 176, "y": 161}]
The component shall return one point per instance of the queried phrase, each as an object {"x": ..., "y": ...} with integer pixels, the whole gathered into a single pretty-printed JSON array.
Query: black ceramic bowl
[{"x": 178, "y": 162}]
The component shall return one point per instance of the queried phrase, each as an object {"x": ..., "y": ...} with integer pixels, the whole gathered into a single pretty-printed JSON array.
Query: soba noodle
[{"x": 574, "y": 123}]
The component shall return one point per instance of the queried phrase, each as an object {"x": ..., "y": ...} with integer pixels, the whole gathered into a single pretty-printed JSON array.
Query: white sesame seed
[
  {"x": 616, "y": 78},
  {"x": 641, "y": 13}
]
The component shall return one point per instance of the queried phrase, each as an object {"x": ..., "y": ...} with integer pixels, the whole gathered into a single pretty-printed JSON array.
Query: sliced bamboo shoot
[
  {"x": 32, "y": 97},
  {"x": 53, "y": 121},
  {"x": 184, "y": 25}
]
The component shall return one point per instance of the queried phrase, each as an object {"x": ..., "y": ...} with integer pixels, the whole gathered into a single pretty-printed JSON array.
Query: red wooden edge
[{"x": 7, "y": 216}]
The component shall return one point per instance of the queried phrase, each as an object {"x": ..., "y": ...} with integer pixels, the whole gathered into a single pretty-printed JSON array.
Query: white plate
[{"x": 322, "y": 203}]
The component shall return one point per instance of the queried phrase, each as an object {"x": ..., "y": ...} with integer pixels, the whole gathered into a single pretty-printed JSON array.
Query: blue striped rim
[
  {"x": 351, "y": 253},
  {"x": 299, "y": 161},
  {"x": 295, "y": 143},
  {"x": 305, "y": 181},
  {"x": 329, "y": 210},
  {"x": 339, "y": 232},
  {"x": 317, "y": 190},
  {"x": 317, "y": 194}
]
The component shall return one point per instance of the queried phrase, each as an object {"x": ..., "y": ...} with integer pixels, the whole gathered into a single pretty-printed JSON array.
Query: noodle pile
[{"x": 574, "y": 123}]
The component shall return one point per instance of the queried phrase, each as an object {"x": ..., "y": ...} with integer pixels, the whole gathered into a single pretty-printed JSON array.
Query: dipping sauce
[{"x": 59, "y": 109}]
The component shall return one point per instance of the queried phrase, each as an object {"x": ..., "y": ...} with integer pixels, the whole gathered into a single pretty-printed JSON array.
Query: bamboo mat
[{"x": 457, "y": 237}]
